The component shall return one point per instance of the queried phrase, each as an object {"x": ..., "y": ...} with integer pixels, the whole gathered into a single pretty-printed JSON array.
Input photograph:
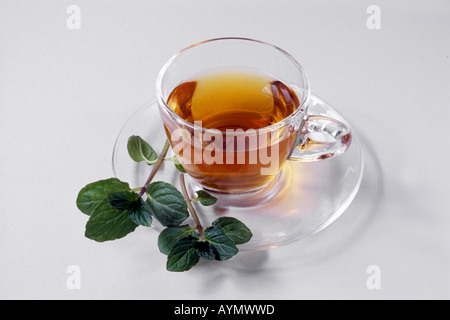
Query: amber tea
[{"x": 234, "y": 105}]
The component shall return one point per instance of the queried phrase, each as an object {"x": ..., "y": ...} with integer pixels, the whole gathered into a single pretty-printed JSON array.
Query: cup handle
[{"x": 320, "y": 138}]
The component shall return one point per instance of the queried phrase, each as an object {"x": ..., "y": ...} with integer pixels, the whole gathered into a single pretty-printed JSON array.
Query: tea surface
[{"x": 233, "y": 100}]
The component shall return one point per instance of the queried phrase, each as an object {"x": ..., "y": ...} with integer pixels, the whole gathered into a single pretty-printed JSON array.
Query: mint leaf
[
  {"x": 107, "y": 223},
  {"x": 167, "y": 204},
  {"x": 223, "y": 245},
  {"x": 206, "y": 250},
  {"x": 205, "y": 198},
  {"x": 170, "y": 236},
  {"x": 183, "y": 255},
  {"x": 180, "y": 167},
  {"x": 130, "y": 201},
  {"x": 123, "y": 200},
  {"x": 139, "y": 150},
  {"x": 234, "y": 229},
  {"x": 90, "y": 197},
  {"x": 177, "y": 164},
  {"x": 141, "y": 214}
]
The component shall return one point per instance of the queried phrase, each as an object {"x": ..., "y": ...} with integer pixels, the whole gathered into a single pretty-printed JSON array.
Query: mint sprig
[
  {"x": 213, "y": 243},
  {"x": 115, "y": 210}
]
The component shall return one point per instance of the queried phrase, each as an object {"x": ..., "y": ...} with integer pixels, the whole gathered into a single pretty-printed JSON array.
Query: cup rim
[{"x": 303, "y": 103}]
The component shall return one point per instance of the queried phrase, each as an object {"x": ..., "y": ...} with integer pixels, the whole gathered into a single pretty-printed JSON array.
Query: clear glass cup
[{"x": 299, "y": 137}]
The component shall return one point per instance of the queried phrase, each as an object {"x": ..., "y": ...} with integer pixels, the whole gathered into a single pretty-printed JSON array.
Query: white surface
[{"x": 64, "y": 95}]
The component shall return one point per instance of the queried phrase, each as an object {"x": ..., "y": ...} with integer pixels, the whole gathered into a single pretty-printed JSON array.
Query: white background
[{"x": 65, "y": 94}]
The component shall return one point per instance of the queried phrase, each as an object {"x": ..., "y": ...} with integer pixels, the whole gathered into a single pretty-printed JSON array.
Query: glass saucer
[{"x": 310, "y": 195}]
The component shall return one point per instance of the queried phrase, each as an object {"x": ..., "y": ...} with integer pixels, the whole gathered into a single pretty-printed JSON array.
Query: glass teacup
[{"x": 236, "y": 110}]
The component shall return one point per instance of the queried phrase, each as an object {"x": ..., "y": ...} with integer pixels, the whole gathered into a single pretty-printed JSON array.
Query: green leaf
[
  {"x": 90, "y": 197},
  {"x": 139, "y": 150},
  {"x": 224, "y": 246},
  {"x": 206, "y": 250},
  {"x": 177, "y": 163},
  {"x": 234, "y": 229},
  {"x": 130, "y": 201},
  {"x": 107, "y": 223},
  {"x": 123, "y": 200},
  {"x": 205, "y": 198},
  {"x": 167, "y": 204},
  {"x": 180, "y": 167},
  {"x": 141, "y": 214},
  {"x": 183, "y": 255},
  {"x": 170, "y": 236}
]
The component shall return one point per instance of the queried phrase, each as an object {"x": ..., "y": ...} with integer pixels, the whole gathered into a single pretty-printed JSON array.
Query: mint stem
[
  {"x": 190, "y": 206},
  {"x": 155, "y": 168}
]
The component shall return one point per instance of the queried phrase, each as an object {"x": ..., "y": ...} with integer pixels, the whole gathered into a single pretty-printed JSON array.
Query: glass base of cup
[{"x": 247, "y": 198}]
